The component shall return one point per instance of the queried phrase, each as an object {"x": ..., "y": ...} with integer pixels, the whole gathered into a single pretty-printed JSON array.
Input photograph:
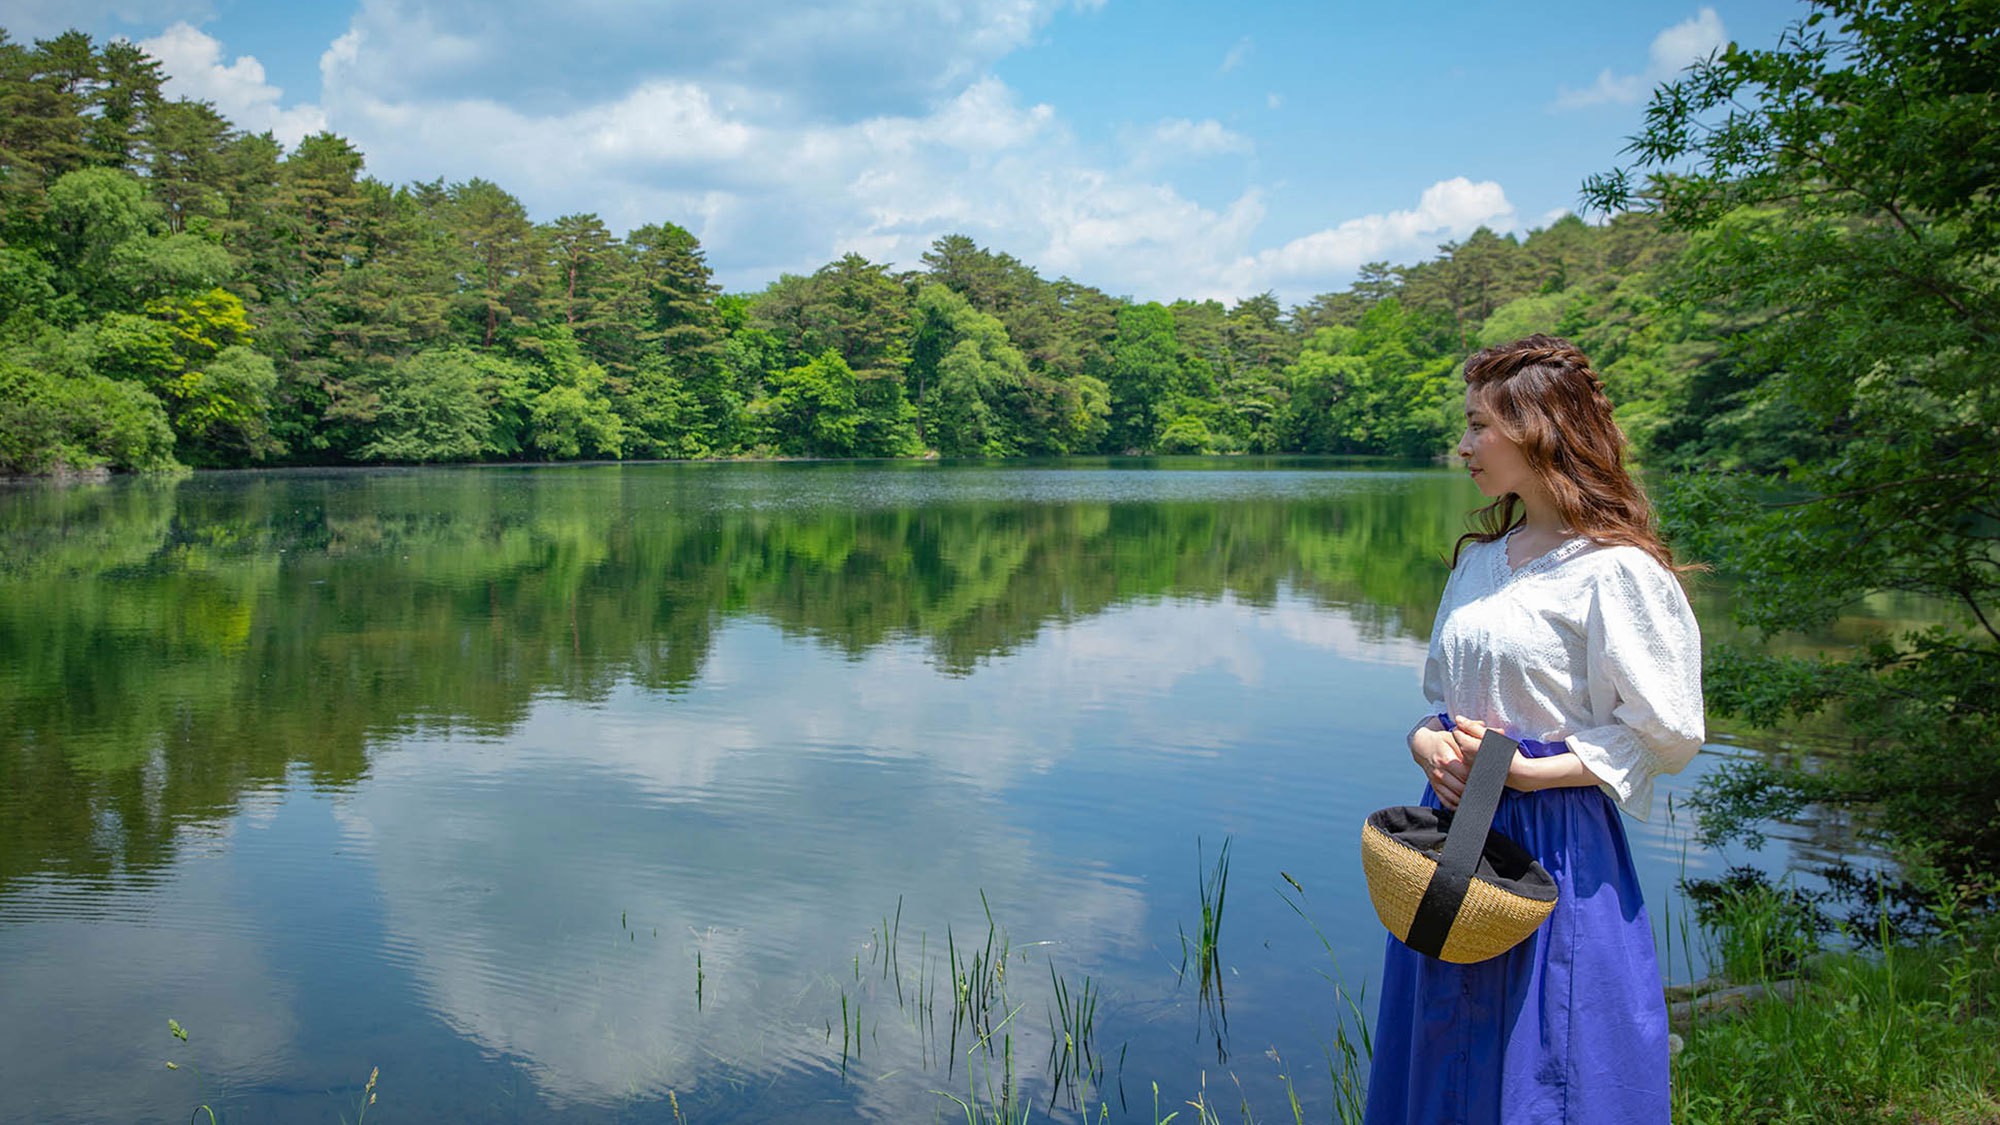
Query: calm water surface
[{"x": 617, "y": 793}]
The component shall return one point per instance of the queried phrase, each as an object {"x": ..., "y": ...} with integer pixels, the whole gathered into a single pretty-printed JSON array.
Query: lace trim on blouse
[{"x": 1504, "y": 571}]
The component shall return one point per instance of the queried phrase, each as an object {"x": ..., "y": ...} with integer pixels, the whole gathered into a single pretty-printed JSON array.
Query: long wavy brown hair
[{"x": 1547, "y": 400}]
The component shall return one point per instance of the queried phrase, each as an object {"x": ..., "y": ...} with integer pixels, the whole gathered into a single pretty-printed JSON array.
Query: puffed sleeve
[{"x": 1644, "y": 668}]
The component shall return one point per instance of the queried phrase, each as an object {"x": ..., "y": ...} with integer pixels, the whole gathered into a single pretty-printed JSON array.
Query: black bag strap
[{"x": 1464, "y": 841}]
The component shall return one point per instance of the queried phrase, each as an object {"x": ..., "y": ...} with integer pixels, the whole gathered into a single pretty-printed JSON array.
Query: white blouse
[{"x": 1591, "y": 644}]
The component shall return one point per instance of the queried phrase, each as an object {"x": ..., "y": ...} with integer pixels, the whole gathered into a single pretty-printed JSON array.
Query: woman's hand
[
  {"x": 1465, "y": 734},
  {"x": 1443, "y": 755},
  {"x": 1524, "y": 774}
]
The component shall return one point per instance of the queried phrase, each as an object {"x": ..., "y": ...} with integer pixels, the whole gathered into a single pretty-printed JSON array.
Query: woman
[{"x": 1562, "y": 625}]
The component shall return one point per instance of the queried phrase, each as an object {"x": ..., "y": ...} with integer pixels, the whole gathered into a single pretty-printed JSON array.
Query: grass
[
  {"x": 1000, "y": 1106},
  {"x": 1073, "y": 1055},
  {"x": 1756, "y": 930},
  {"x": 968, "y": 984},
  {"x": 1349, "y": 1056},
  {"x": 1204, "y": 949},
  {"x": 1908, "y": 1035},
  {"x": 1906, "y": 1031},
  {"x": 978, "y": 979}
]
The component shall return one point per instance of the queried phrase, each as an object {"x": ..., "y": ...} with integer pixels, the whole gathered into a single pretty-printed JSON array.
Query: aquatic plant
[
  {"x": 367, "y": 1097},
  {"x": 175, "y": 1029},
  {"x": 1349, "y": 1055},
  {"x": 1204, "y": 949},
  {"x": 1072, "y": 1034}
]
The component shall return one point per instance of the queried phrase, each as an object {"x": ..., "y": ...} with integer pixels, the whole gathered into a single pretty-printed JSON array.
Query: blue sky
[{"x": 1153, "y": 148}]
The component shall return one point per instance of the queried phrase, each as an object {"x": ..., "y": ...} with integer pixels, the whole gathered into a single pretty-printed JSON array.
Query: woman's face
[{"x": 1495, "y": 462}]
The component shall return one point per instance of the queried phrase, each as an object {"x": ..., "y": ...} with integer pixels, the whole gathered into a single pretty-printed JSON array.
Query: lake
[{"x": 714, "y": 792}]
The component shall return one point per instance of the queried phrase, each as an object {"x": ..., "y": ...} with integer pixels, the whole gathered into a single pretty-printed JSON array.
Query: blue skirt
[{"x": 1569, "y": 1026}]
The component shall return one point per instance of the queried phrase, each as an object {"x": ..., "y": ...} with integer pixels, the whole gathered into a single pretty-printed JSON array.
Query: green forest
[{"x": 180, "y": 292}]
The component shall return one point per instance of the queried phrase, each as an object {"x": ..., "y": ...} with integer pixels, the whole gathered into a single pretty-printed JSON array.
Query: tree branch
[{"x": 1972, "y": 604}]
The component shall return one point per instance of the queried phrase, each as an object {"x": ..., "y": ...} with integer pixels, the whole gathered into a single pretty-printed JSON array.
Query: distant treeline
[{"x": 177, "y": 291}]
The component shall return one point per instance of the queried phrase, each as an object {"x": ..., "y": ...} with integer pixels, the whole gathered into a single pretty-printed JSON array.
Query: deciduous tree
[{"x": 1841, "y": 188}]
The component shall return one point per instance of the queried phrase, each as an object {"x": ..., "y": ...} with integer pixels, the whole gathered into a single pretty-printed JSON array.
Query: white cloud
[
  {"x": 1178, "y": 140},
  {"x": 983, "y": 119},
  {"x": 1143, "y": 239},
  {"x": 1448, "y": 209},
  {"x": 29, "y": 20},
  {"x": 193, "y": 63},
  {"x": 817, "y": 61},
  {"x": 767, "y": 192},
  {"x": 1199, "y": 138},
  {"x": 1236, "y": 55},
  {"x": 737, "y": 149},
  {"x": 1672, "y": 51},
  {"x": 1687, "y": 41},
  {"x": 662, "y": 123}
]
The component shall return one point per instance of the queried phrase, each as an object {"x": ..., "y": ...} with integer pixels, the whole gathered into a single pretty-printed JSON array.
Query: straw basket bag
[{"x": 1446, "y": 884}]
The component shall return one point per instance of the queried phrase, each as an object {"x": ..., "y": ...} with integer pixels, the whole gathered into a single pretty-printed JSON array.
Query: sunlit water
[{"x": 626, "y": 792}]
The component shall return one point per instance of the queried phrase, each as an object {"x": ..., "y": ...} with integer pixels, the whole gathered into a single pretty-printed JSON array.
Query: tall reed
[{"x": 1204, "y": 949}]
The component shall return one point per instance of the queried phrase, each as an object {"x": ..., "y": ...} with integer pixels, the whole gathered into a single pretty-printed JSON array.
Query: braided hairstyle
[{"x": 1547, "y": 400}]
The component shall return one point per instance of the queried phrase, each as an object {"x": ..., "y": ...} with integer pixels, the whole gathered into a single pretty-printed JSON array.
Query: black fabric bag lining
[{"x": 1502, "y": 862}]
